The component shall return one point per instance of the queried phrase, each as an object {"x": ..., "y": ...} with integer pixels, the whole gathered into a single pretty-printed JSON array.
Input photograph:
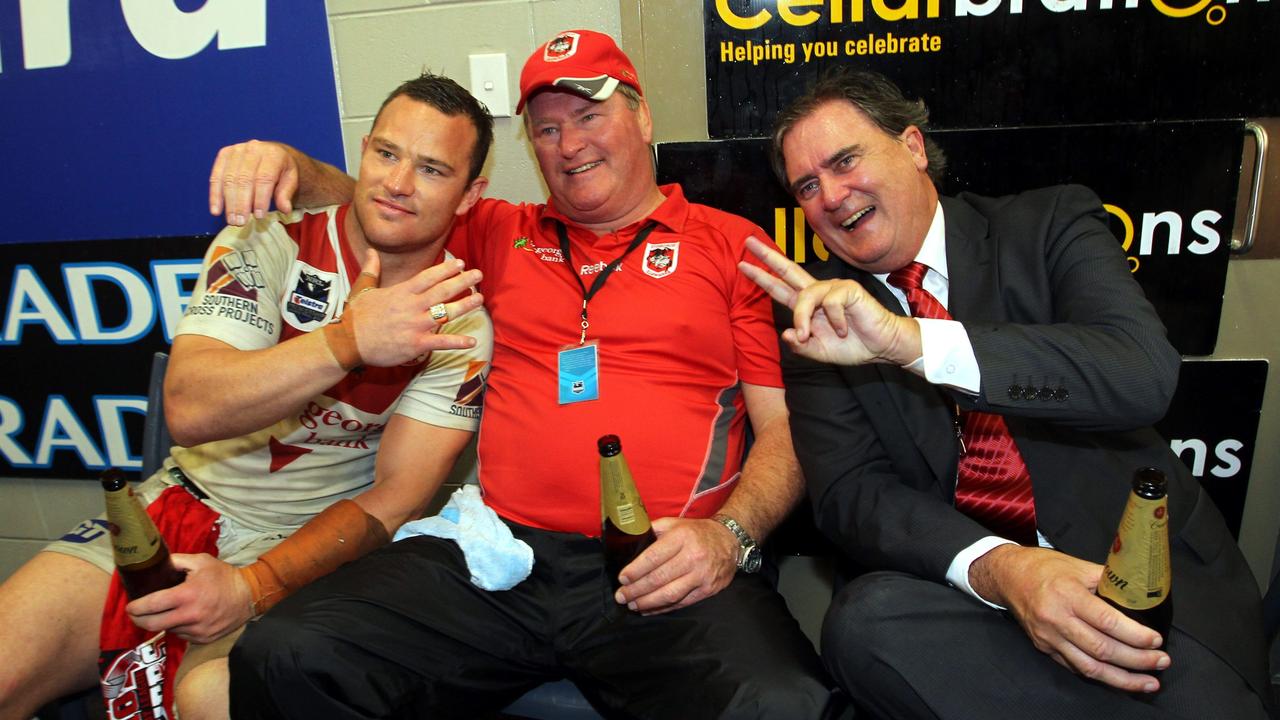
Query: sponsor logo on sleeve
[
  {"x": 471, "y": 392},
  {"x": 232, "y": 284},
  {"x": 235, "y": 272}
]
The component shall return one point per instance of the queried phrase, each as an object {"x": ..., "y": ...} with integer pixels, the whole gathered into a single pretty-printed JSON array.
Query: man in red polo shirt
[{"x": 617, "y": 309}]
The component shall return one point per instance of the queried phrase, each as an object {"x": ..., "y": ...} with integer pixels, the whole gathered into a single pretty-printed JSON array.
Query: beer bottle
[
  {"x": 1137, "y": 579},
  {"x": 626, "y": 530},
  {"x": 141, "y": 556}
]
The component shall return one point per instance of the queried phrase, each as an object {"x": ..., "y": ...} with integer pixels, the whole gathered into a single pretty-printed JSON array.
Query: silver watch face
[{"x": 751, "y": 559}]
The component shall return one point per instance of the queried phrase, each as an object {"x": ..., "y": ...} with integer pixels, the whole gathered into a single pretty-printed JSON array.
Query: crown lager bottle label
[
  {"x": 620, "y": 501},
  {"x": 625, "y": 529},
  {"x": 139, "y": 551},
  {"x": 135, "y": 541},
  {"x": 1137, "y": 575}
]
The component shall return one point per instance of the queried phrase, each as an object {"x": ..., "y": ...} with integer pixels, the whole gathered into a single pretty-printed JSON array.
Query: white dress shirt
[{"x": 947, "y": 359}]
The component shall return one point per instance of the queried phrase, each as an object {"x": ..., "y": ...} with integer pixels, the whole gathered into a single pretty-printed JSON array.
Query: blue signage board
[{"x": 112, "y": 110}]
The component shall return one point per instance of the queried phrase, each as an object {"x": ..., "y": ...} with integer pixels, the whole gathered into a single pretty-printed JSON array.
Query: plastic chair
[{"x": 156, "y": 440}]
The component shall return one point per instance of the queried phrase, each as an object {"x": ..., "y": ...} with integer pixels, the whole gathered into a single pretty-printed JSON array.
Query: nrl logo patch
[
  {"x": 661, "y": 259},
  {"x": 562, "y": 47},
  {"x": 310, "y": 297}
]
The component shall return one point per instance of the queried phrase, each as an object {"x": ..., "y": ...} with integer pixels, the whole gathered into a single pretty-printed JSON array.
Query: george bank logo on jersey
[
  {"x": 552, "y": 255},
  {"x": 236, "y": 273},
  {"x": 309, "y": 301},
  {"x": 471, "y": 392},
  {"x": 660, "y": 259}
]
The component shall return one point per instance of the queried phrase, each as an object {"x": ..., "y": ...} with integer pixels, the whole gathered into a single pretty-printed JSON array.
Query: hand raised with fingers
[
  {"x": 247, "y": 176},
  {"x": 834, "y": 321},
  {"x": 395, "y": 325}
]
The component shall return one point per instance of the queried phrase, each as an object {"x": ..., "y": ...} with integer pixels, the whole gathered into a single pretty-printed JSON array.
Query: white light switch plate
[{"x": 489, "y": 82}]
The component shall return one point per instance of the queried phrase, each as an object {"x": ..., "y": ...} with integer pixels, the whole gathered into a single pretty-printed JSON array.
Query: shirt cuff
[
  {"x": 958, "y": 571},
  {"x": 947, "y": 356}
]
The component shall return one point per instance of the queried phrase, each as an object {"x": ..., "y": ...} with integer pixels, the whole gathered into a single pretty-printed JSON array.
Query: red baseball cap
[{"x": 581, "y": 61}]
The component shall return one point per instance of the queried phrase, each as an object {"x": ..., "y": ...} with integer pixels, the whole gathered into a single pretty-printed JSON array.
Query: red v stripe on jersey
[{"x": 282, "y": 455}]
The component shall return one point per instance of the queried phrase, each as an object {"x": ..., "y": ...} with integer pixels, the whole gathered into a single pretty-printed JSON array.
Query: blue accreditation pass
[{"x": 579, "y": 373}]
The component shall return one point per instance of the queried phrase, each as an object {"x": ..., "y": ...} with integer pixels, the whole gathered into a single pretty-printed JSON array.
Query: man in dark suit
[{"x": 1047, "y": 335}]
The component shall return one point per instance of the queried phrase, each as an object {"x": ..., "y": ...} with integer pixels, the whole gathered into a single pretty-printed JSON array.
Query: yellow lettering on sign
[
  {"x": 808, "y": 17},
  {"x": 1174, "y": 12},
  {"x": 909, "y": 10},
  {"x": 738, "y": 22}
]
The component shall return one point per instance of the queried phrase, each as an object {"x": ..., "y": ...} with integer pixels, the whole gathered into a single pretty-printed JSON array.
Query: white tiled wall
[
  {"x": 380, "y": 43},
  {"x": 34, "y": 511}
]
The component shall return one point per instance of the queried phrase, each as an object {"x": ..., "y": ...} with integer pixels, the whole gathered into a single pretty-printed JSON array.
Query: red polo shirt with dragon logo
[{"x": 678, "y": 327}]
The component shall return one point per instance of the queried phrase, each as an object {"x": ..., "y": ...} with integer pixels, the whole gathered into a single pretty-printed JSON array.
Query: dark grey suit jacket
[{"x": 1076, "y": 360}]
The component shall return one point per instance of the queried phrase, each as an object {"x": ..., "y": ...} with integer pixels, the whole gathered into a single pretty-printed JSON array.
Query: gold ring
[{"x": 439, "y": 313}]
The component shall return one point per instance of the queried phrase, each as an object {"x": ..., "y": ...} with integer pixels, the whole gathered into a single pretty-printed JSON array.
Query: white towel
[{"x": 495, "y": 558}]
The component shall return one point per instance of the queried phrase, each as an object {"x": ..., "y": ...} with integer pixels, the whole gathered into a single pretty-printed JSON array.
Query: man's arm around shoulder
[{"x": 248, "y": 176}]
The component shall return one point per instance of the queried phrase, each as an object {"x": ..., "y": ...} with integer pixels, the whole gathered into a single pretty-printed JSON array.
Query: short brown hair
[
  {"x": 452, "y": 99},
  {"x": 872, "y": 93}
]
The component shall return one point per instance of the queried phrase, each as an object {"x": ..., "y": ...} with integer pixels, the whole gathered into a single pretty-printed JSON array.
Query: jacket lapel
[
  {"x": 972, "y": 279},
  {"x": 978, "y": 295},
  {"x": 923, "y": 407}
]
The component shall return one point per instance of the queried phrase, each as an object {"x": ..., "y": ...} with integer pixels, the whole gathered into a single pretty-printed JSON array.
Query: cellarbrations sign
[{"x": 988, "y": 63}]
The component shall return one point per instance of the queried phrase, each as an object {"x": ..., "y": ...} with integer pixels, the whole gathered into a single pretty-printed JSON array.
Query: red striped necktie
[{"x": 993, "y": 485}]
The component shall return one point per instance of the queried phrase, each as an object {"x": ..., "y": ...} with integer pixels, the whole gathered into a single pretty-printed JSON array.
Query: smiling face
[
  {"x": 413, "y": 177},
  {"x": 594, "y": 157},
  {"x": 865, "y": 192}
]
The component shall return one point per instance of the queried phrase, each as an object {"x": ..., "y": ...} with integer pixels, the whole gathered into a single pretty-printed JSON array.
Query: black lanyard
[{"x": 604, "y": 274}]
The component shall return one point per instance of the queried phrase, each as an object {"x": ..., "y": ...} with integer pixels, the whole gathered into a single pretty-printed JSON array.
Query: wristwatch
[{"x": 749, "y": 557}]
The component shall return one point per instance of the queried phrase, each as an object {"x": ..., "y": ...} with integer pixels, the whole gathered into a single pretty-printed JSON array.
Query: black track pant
[{"x": 403, "y": 633}]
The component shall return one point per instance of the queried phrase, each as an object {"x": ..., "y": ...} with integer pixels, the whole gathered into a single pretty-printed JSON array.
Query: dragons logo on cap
[{"x": 561, "y": 47}]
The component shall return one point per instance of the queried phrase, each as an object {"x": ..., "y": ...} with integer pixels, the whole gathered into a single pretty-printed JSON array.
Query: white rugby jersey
[{"x": 280, "y": 277}]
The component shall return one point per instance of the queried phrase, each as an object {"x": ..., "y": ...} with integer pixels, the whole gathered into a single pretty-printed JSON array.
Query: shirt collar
[{"x": 933, "y": 251}]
